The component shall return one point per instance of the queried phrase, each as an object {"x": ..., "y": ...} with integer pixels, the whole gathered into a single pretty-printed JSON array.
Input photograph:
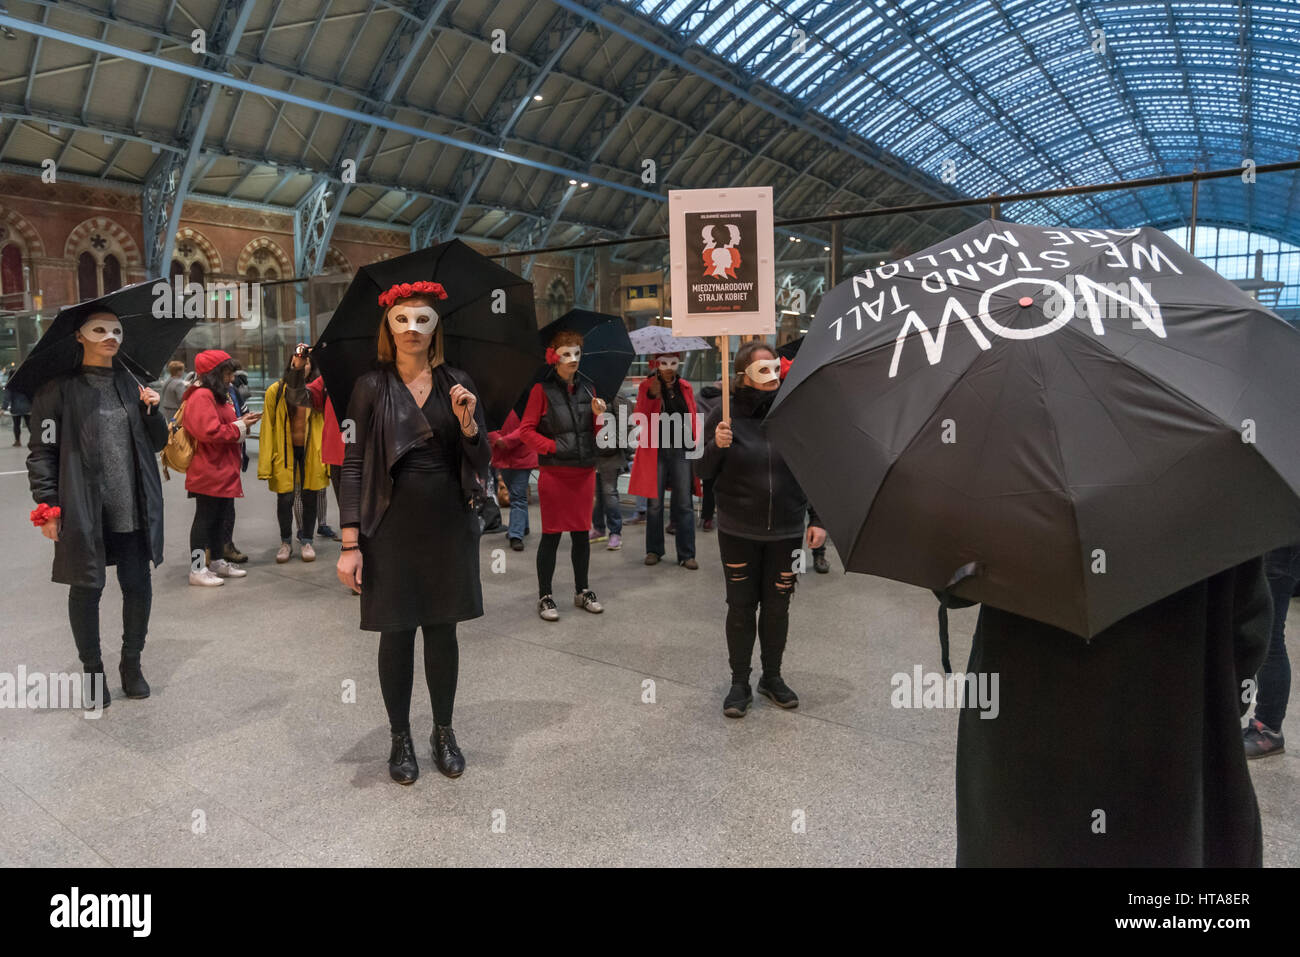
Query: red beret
[{"x": 209, "y": 359}]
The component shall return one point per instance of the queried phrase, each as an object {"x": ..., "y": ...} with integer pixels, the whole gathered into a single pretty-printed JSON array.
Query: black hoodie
[{"x": 757, "y": 495}]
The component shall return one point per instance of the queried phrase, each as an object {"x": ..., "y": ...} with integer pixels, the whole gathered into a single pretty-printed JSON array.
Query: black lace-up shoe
[
  {"x": 401, "y": 760},
  {"x": 445, "y": 753}
]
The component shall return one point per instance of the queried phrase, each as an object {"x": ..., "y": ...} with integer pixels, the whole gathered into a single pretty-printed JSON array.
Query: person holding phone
[
  {"x": 99, "y": 495},
  {"x": 289, "y": 457},
  {"x": 407, "y": 497},
  {"x": 213, "y": 478}
]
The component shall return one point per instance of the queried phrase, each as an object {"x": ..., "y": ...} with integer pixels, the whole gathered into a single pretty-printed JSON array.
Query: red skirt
[{"x": 566, "y": 495}]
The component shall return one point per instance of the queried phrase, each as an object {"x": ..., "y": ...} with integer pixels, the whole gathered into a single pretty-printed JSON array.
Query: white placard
[{"x": 723, "y": 255}]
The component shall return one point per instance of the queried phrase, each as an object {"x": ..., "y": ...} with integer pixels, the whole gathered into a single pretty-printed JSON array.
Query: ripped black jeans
[{"x": 760, "y": 579}]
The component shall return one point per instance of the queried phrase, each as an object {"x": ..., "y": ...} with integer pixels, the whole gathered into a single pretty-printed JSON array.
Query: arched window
[
  {"x": 557, "y": 298},
  {"x": 196, "y": 272},
  {"x": 112, "y": 274},
  {"x": 100, "y": 257},
  {"x": 271, "y": 294},
  {"x": 87, "y": 277},
  {"x": 176, "y": 270},
  {"x": 11, "y": 277}
]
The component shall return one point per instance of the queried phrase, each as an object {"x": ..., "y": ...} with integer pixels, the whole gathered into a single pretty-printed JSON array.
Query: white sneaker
[
  {"x": 224, "y": 569},
  {"x": 205, "y": 577}
]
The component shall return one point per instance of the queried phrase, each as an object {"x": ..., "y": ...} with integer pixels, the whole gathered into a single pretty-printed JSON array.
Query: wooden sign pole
[{"x": 724, "y": 343}]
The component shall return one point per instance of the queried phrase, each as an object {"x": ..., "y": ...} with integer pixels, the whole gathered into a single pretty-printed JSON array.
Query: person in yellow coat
[{"x": 289, "y": 459}]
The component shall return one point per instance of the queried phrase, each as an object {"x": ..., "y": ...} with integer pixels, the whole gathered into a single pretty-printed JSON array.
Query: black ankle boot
[
  {"x": 445, "y": 753},
  {"x": 94, "y": 687},
  {"x": 401, "y": 760},
  {"x": 133, "y": 683}
]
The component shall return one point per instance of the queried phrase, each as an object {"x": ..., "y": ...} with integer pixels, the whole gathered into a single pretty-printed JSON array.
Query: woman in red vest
[{"x": 560, "y": 424}]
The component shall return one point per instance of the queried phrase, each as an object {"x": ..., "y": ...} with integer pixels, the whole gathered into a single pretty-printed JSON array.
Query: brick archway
[
  {"x": 335, "y": 261},
  {"x": 80, "y": 239},
  {"x": 24, "y": 231},
  {"x": 278, "y": 254},
  {"x": 209, "y": 251}
]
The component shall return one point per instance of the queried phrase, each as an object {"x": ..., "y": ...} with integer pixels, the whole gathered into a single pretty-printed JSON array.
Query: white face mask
[
  {"x": 763, "y": 370},
  {"x": 668, "y": 365},
  {"x": 421, "y": 319},
  {"x": 101, "y": 328},
  {"x": 569, "y": 353}
]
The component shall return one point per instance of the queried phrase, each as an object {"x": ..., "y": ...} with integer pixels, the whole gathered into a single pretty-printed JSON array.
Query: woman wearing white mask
[
  {"x": 410, "y": 536},
  {"x": 761, "y": 513},
  {"x": 93, "y": 471},
  {"x": 560, "y": 424}
]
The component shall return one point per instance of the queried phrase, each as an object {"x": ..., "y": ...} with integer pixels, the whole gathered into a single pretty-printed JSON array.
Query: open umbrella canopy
[
  {"x": 1065, "y": 424},
  {"x": 147, "y": 341},
  {"x": 607, "y": 351},
  {"x": 488, "y": 319},
  {"x": 652, "y": 340}
]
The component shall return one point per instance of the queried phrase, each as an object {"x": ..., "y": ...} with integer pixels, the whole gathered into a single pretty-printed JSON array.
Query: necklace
[{"x": 418, "y": 386}]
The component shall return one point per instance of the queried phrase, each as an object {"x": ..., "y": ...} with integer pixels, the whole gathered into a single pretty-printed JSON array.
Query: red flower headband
[
  {"x": 404, "y": 290},
  {"x": 552, "y": 357}
]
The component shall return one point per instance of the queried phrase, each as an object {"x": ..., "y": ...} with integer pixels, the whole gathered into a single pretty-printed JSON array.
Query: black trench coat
[
  {"x": 1141, "y": 724},
  {"x": 65, "y": 472}
]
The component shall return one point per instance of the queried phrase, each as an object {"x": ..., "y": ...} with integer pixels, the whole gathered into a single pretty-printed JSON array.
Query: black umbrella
[
  {"x": 607, "y": 352},
  {"x": 1066, "y": 424},
  {"x": 488, "y": 320},
  {"x": 149, "y": 335},
  {"x": 790, "y": 349}
]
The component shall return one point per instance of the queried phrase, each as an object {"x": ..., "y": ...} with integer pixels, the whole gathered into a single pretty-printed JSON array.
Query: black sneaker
[
  {"x": 778, "y": 692},
  {"x": 738, "y": 700},
  {"x": 821, "y": 565},
  {"x": 1261, "y": 740},
  {"x": 517, "y": 544}
]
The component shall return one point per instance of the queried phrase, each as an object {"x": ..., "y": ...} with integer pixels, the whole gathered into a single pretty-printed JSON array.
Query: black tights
[
  {"x": 760, "y": 578},
  {"x": 397, "y": 672},
  {"x": 581, "y": 554}
]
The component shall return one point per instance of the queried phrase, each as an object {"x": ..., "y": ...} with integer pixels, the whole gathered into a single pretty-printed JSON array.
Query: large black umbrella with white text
[{"x": 1065, "y": 424}]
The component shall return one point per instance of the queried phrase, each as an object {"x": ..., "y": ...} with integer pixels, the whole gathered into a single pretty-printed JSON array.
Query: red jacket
[
  {"x": 514, "y": 452},
  {"x": 644, "y": 480},
  {"x": 331, "y": 448},
  {"x": 217, "y": 450}
]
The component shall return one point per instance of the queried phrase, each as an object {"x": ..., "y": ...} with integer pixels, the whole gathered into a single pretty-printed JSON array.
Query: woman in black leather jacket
[
  {"x": 95, "y": 437},
  {"x": 761, "y": 512},
  {"x": 406, "y": 495}
]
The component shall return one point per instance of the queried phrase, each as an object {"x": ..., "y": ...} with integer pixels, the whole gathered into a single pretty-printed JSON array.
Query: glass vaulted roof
[{"x": 1002, "y": 96}]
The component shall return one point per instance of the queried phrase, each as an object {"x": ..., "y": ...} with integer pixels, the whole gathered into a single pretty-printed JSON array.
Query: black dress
[{"x": 421, "y": 566}]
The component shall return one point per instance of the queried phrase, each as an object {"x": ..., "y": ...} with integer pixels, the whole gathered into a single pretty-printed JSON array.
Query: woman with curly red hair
[
  {"x": 409, "y": 479},
  {"x": 560, "y": 424}
]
